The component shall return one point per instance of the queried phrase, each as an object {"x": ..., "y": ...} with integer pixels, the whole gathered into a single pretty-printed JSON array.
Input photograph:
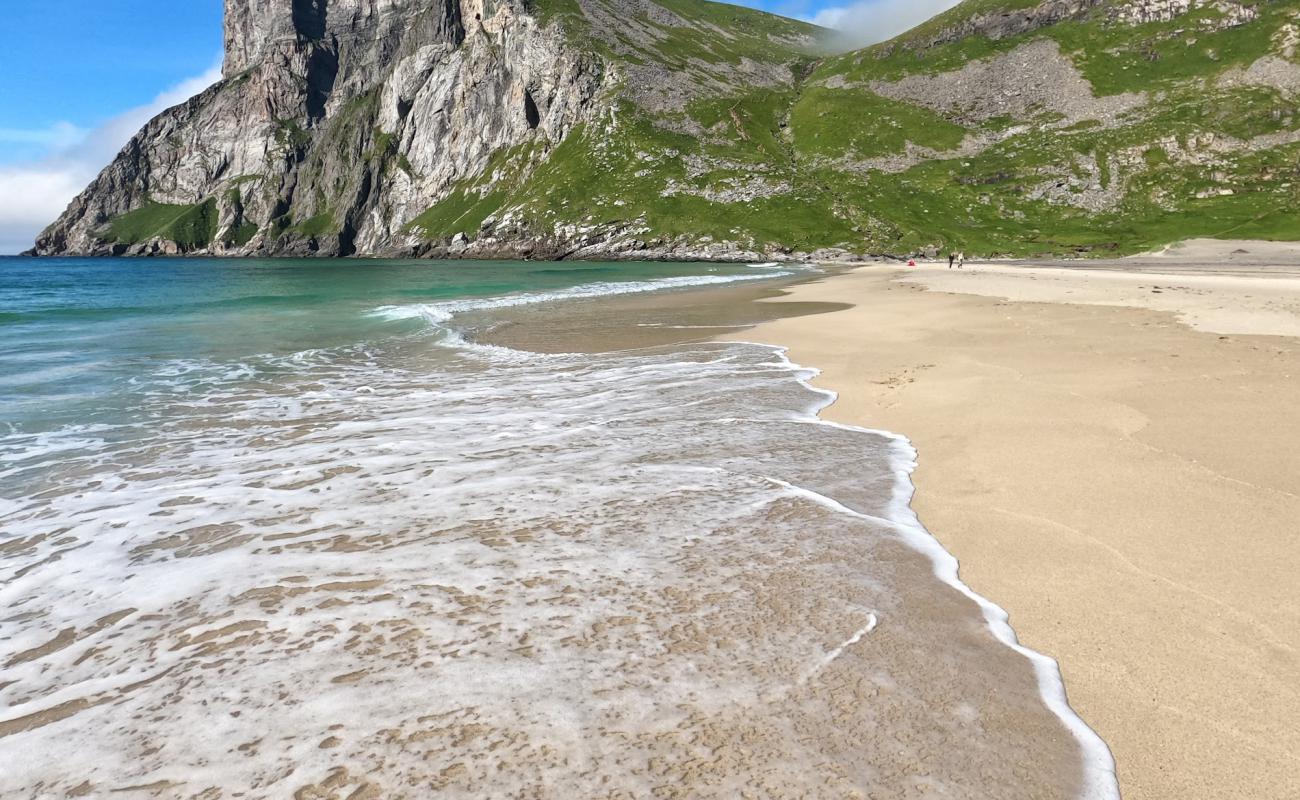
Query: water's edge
[
  {"x": 474, "y": 454},
  {"x": 1101, "y": 780}
]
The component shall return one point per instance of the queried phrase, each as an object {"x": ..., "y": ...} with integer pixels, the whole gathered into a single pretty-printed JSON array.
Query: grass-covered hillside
[
  {"x": 1002, "y": 127},
  {"x": 1129, "y": 125}
]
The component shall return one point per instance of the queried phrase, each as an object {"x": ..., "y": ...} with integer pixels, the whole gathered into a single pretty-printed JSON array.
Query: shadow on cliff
[{"x": 310, "y": 18}]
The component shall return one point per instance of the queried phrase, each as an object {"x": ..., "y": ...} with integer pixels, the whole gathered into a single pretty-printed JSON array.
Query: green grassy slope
[
  {"x": 1203, "y": 138},
  {"x": 191, "y": 227},
  {"x": 680, "y": 30},
  {"x": 1198, "y": 156}
]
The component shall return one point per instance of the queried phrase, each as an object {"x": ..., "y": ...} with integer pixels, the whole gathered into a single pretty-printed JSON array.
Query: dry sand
[{"x": 1126, "y": 485}]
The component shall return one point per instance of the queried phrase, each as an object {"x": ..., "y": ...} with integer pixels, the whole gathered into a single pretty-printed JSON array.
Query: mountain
[
  {"x": 471, "y": 127},
  {"x": 683, "y": 128},
  {"x": 1096, "y": 126}
]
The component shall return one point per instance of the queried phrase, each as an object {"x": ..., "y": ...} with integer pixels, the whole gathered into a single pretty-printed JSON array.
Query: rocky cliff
[
  {"x": 339, "y": 122},
  {"x": 683, "y": 128},
  {"x": 336, "y": 122}
]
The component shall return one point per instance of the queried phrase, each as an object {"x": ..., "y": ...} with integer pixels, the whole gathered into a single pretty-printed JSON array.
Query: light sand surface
[
  {"x": 1207, "y": 302},
  {"x": 1126, "y": 486},
  {"x": 1232, "y": 251}
]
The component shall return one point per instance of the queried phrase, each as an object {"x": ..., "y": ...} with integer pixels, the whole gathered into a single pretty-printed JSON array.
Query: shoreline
[
  {"x": 638, "y": 563},
  {"x": 1097, "y": 762},
  {"x": 1046, "y": 431},
  {"x": 847, "y": 326},
  {"x": 730, "y": 313}
]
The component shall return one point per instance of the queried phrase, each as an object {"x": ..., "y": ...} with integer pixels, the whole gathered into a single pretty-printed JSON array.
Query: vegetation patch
[
  {"x": 290, "y": 135},
  {"x": 191, "y": 227},
  {"x": 460, "y": 212},
  {"x": 322, "y": 224},
  {"x": 241, "y": 234},
  {"x": 828, "y": 123}
]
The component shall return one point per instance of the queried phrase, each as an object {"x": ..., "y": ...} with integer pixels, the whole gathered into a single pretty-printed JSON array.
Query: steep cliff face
[{"x": 338, "y": 122}]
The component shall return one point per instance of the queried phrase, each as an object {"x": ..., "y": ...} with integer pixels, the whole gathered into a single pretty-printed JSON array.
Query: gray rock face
[
  {"x": 1140, "y": 12},
  {"x": 336, "y": 123},
  {"x": 1033, "y": 79}
]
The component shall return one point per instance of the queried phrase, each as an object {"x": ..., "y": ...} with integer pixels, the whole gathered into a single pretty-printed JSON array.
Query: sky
[{"x": 79, "y": 77}]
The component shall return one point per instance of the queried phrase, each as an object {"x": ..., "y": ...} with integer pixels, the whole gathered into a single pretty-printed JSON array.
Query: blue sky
[
  {"x": 79, "y": 77},
  {"x": 81, "y": 62}
]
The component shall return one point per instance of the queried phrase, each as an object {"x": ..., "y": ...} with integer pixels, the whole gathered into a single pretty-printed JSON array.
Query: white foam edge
[
  {"x": 442, "y": 312},
  {"x": 1100, "y": 779}
]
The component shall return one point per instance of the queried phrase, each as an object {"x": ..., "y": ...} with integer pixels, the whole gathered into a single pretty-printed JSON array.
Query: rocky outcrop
[
  {"x": 997, "y": 25},
  {"x": 1004, "y": 23},
  {"x": 630, "y": 28},
  {"x": 1031, "y": 80},
  {"x": 336, "y": 122},
  {"x": 1227, "y": 14},
  {"x": 1140, "y": 12},
  {"x": 1033, "y": 86},
  {"x": 1272, "y": 72}
]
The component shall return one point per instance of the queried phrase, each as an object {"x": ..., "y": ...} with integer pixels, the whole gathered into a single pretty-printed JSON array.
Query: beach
[
  {"x": 1111, "y": 454},
  {"x": 534, "y": 529},
  {"x": 344, "y": 529}
]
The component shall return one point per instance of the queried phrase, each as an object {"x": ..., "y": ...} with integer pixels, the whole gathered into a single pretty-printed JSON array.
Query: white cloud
[
  {"x": 60, "y": 135},
  {"x": 34, "y": 193},
  {"x": 869, "y": 21}
]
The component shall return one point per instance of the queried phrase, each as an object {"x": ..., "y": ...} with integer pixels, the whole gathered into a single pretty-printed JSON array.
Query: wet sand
[
  {"x": 626, "y": 322},
  {"x": 1126, "y": 485}
]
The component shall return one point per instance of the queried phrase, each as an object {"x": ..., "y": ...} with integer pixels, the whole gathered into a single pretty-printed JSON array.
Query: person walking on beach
[
  {"x": 952, "y": 256},
  {"x": 961, "y": 260}
]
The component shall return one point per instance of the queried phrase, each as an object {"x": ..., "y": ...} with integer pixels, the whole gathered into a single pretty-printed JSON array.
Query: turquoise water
[{"x": 76, "y": 333}]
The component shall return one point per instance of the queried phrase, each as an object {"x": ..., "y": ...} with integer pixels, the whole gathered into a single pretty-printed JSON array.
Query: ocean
[{"x": 308, "y": 528}]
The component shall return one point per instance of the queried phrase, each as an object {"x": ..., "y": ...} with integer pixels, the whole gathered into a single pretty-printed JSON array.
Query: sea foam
[
  {"x": 438, "y": 313},
  {"x": 432, "y": 567}
]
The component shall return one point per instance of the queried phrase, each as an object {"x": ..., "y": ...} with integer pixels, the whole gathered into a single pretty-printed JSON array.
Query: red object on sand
[{"x": 911, "y": 263}]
